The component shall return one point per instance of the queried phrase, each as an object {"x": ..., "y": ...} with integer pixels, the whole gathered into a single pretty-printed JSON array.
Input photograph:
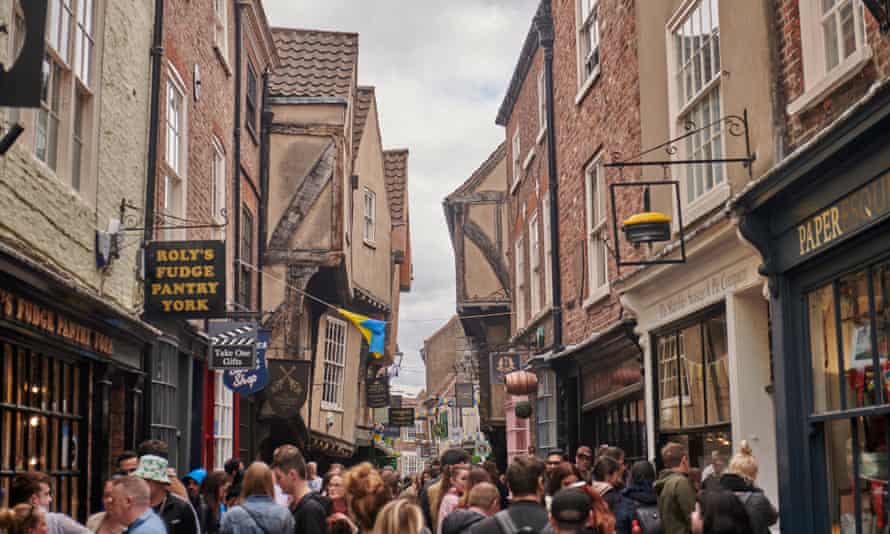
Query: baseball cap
[{"x": 570, "y": 506}]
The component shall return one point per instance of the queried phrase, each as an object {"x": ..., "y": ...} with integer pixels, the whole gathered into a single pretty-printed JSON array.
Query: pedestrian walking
[
  {"x": 23, "y": 519},
  {"x": 638, "y": 501},
  {"x": 130, "y": 503},
  {"x": 525, "y": 479},
  {"x": 399, "y": 517},
  {"x": 192, "y": 483},
  {"x": 607, "y": 474},
  {"x": 563, "y": 476},
  {"x": 492, "y": 468},
  {"x": 713, "y": 469},
  {"x": 454, "y": 484},
  {"x": 571, "y": 512},
  {"x": 313, "y": 479},
  {"x": 105, "y": 522},
  {"x": 429, "y": 496},
  {"x": 175, "y": 511},
  {"x": 584, "y": 462},
  {"x": 35, "y": 488},
  {"x": 720, "y": 512},
  {"x": 257, "y": 512},
  {"x": 127, "y": 461},
  {"x": 156, "y": 447},
  {"x": 309, "y": 509},
  {"x": 740, "y": 478},
  {"x": 617, "y": 454},
  {"x": 333, "y": 489},
  {"x": 483, "y": 500},
  {"x": 211, "y": 505},
  {"x": 366, "y": 495},
  {"x": 676, "y": 496},
  {"x": 554, "y": 458}
]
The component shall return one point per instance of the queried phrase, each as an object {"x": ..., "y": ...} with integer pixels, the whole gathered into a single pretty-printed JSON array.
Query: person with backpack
[
  {"x": 676, "y": 496},
  {"x": 739, "y": 478},
  {"x": 483, "y": 501},
  {"x": 258, "y": 513},
  {"x": 310, "y": 510},
  {"x": 525, "y": 479},
  {"x": 639, "y": 502}
]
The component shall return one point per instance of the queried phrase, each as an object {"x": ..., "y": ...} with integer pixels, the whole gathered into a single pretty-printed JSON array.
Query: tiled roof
[
  {"x": 314, "y": 63},
  {"x": 395, "y": 168},
  {"x": 363, "y": 98}
]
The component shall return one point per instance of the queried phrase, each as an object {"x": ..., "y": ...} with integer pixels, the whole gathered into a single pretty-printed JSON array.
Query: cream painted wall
[
  {"x": 333, "y": 114},
  {"x": 481, "y": 281},
  {"x": 291, "y": 157},
  {"x": 344, "y": 421},
  {"x": 371, "y": 262},
  {"x": 314, "y": 233}
]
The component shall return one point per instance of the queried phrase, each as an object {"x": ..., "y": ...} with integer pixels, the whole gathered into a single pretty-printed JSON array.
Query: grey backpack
[{"x": 649, "y": 519}]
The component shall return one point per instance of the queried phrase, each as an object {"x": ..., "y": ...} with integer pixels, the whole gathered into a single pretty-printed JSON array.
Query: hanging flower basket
[
  {"x": 523, "y": 409},
  {"x": 521, "y": 383}
]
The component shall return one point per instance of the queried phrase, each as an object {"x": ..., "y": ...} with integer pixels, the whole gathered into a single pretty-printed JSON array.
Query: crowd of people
[{"x": 596, "y": 493}]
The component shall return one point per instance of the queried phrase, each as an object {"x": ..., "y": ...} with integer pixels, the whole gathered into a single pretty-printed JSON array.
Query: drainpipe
[
  {"x": 157, "y": 54},
  {"x": 544, "y": 25},
  {"x": 236, "y": 176},
  {"x": 265, "y": 134}
]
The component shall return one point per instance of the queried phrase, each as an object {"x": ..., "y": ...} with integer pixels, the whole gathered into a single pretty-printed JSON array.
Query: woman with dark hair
[
  {"x": 454, "y": 485},
  {"x": 638, "y": 498},
  {"x": 213, "y": 498},
  {"x": 492, "y": 468},
  {"x": 720, "y": 512},
  {"x": 563, "y": 476},
  {"x": 606, "y": 479}
]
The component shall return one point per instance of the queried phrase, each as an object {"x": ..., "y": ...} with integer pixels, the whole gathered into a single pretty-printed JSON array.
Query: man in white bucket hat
[{"x": 176, "y": 512}]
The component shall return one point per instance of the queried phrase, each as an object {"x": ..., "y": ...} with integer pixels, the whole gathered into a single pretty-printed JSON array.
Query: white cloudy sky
[{"x": 440, "y": 76}]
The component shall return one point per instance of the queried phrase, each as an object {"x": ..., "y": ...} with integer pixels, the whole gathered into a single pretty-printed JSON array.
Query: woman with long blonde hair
[
  {"x": 23, "y": 519},
  {"x": 740, "y": 478},
  {"x": 399, "y": 517}
]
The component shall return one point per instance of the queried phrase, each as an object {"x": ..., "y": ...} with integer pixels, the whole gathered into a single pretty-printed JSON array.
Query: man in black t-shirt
[
  {"x": 310, "y": 511},
  {"x": 525, "y": 478}
]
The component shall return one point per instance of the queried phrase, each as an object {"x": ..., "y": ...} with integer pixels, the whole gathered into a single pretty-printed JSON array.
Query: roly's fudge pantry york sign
[{"x": 185, "y": 279}]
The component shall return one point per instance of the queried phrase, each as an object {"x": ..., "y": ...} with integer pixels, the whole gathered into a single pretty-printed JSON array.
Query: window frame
[
  {"x": 219, "y": 181},
  {"x": 542, "y": 106},
  {"x": 223, "y": 421},
  {"x": 519, "y": 266},
  {"x": 818, "y": 79},
  {"x": 334, "y": 364},
  {"x": 548, "y": 250},
  {"x": 595, "y": 231},
  {"x": 516, "y": 160},
  {"x": 50, "y": 113},
  {"x": 251, "y": 100},
  {"x": 221, "y": 28},
  {"x": 83, "y": 32},
  {"x": 584, "y": 23},
  {"x": 369, "y": 216},
  {"x": 246, "y": 244},
  {"x": 546, "y": 395},
  {"x": 534, "y": 264},
  {"x": 60, "y": 17}
]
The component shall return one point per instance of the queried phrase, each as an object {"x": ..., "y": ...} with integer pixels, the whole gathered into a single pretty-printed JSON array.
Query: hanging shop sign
[
  {"x": 377, "y": 392},
  {"x": 20, "y": 84},
  {"x": 250, "y": 381},
  {"x": 401, "y": 417},
  {"x": 391, "y": 431},
  {"x": 232, "y": 345},
  {"x": 288, "y": 386},
  {"x": 395, "y": 401},
  {"x": 501, "y": 365},
  {"x": 860, "y": 208},
  {"x": 463, "y": 395},
  {"x": 46, "y": 321},
  {"x": 185, "y": 279}
]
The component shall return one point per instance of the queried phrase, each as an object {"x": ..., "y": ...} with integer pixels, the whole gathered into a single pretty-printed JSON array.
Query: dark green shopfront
[{"x": 821, "y": 220}]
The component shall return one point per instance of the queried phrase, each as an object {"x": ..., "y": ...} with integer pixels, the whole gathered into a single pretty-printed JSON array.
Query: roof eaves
[{"x": 481, "y": 172}]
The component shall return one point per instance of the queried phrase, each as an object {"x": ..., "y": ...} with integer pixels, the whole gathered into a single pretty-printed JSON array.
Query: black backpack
[{"x": 649, "y": 519}]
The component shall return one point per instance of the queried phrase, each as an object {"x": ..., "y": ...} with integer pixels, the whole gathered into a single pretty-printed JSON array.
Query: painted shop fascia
[{"x": 820, "y": 221}]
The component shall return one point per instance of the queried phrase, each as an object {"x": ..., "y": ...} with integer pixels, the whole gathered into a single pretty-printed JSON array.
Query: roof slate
[
  {"x": 395, "y": 169},
  {"x": 314, "y": 63},
  {"x": 364, "y": 98}
]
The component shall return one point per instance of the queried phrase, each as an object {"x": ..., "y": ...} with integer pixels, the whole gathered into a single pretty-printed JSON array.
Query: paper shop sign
[
  {"x": 401, "y": 417},
  {"x": 250, "y": 381},
  {"x": 185, "y": 279},
  {"x": 49, "y": 322},
  {"x": 288, "y": 386}
]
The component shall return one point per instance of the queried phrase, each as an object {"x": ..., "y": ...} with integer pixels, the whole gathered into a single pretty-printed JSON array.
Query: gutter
[
  {"x": 236, "y": 139},
  {"x": 263, "y": 226}
]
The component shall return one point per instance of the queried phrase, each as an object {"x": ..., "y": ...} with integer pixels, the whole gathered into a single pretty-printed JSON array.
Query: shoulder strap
[
  {"x": 255, "y": 520},
  {"x": 505, "y": 522}
]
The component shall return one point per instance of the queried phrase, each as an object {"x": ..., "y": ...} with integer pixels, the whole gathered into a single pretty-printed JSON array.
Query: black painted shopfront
[{"x": 822, "y": 223}]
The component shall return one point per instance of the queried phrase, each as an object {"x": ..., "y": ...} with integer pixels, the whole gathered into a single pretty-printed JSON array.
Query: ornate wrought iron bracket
[
  {"x": 130, "y": 221},
  {"x": 880, "y": 10}
]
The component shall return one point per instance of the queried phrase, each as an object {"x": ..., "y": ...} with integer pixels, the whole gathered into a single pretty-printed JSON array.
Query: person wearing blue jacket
[{"x": 257, "y": 512}]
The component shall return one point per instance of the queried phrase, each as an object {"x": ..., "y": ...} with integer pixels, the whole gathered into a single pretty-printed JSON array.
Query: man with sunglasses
[
  {"x": 35, "y": 488},
  {"x": 584, "y": 462}
]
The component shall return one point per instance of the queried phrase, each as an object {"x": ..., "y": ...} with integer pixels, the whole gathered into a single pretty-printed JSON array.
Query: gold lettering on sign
[{"x": 819, "y": 230}]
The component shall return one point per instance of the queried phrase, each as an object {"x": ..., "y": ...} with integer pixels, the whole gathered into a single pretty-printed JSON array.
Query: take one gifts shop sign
[{"x": 185, "y": 279}]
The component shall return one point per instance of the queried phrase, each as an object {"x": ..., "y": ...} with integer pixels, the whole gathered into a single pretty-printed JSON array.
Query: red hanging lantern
[{"x": 521, "y": 383}]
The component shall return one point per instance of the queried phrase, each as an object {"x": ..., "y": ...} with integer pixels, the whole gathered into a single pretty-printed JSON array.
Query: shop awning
[{"x": 623, "y": 328}]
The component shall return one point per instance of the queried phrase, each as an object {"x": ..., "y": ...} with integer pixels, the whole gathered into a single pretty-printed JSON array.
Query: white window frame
[
  {"x": 175, "y": 203},
  {"x": 221, "y": 27},
  {"x": 84, "y": 41},
  {"x": 671, "y": 348},
  {"x": 548, "y": 251},
  {"x": 587, "y": 22},
  {"x": 595, "y": 230},
  {"x": 48, "y": 118},
  {"x": 546, "y": 428},
  {"x": 517, "y": 159},
  {"x": 695, "y": 94},
  {"x": 534, "y": 253},
  {"x": 218, "y": 205},
  {"x": 334, "y": 364},
  {"x": 819, "y": 80},
  {"x": 223, "y": 421},
  {"x": 59, "y": 26},
  {"x": 369, "y": 216},
  {"x": 519, "y": 296},
  {"x": 542, "y": 106}
]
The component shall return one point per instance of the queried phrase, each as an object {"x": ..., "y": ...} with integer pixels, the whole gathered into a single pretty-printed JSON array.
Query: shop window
[
  {"x": 165, "y": 402},
  {"x": 42, "y": 422},
  {"x": 334, "y": 364},
  {"x": 849, "y": 321},
  {"x": 693, "y": 378},
  {"x": 545, "y": 412},
  {"x": 223, "y": 421}
]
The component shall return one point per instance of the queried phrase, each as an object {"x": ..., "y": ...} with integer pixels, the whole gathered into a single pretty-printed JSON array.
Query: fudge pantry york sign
[{"x": 185, "y": 279}]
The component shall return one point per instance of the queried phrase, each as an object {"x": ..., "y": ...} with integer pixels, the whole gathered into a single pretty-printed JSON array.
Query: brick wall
[
  {"x": 805, "y": 124},
  {"x": 606, "y": 120}
]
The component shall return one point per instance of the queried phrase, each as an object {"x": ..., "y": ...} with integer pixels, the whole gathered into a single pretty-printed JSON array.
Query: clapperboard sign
[{"x": 233, "y": 345}]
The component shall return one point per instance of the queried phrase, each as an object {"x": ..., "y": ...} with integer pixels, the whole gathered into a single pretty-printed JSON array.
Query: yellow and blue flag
[{"x": 373, "y": 330}]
